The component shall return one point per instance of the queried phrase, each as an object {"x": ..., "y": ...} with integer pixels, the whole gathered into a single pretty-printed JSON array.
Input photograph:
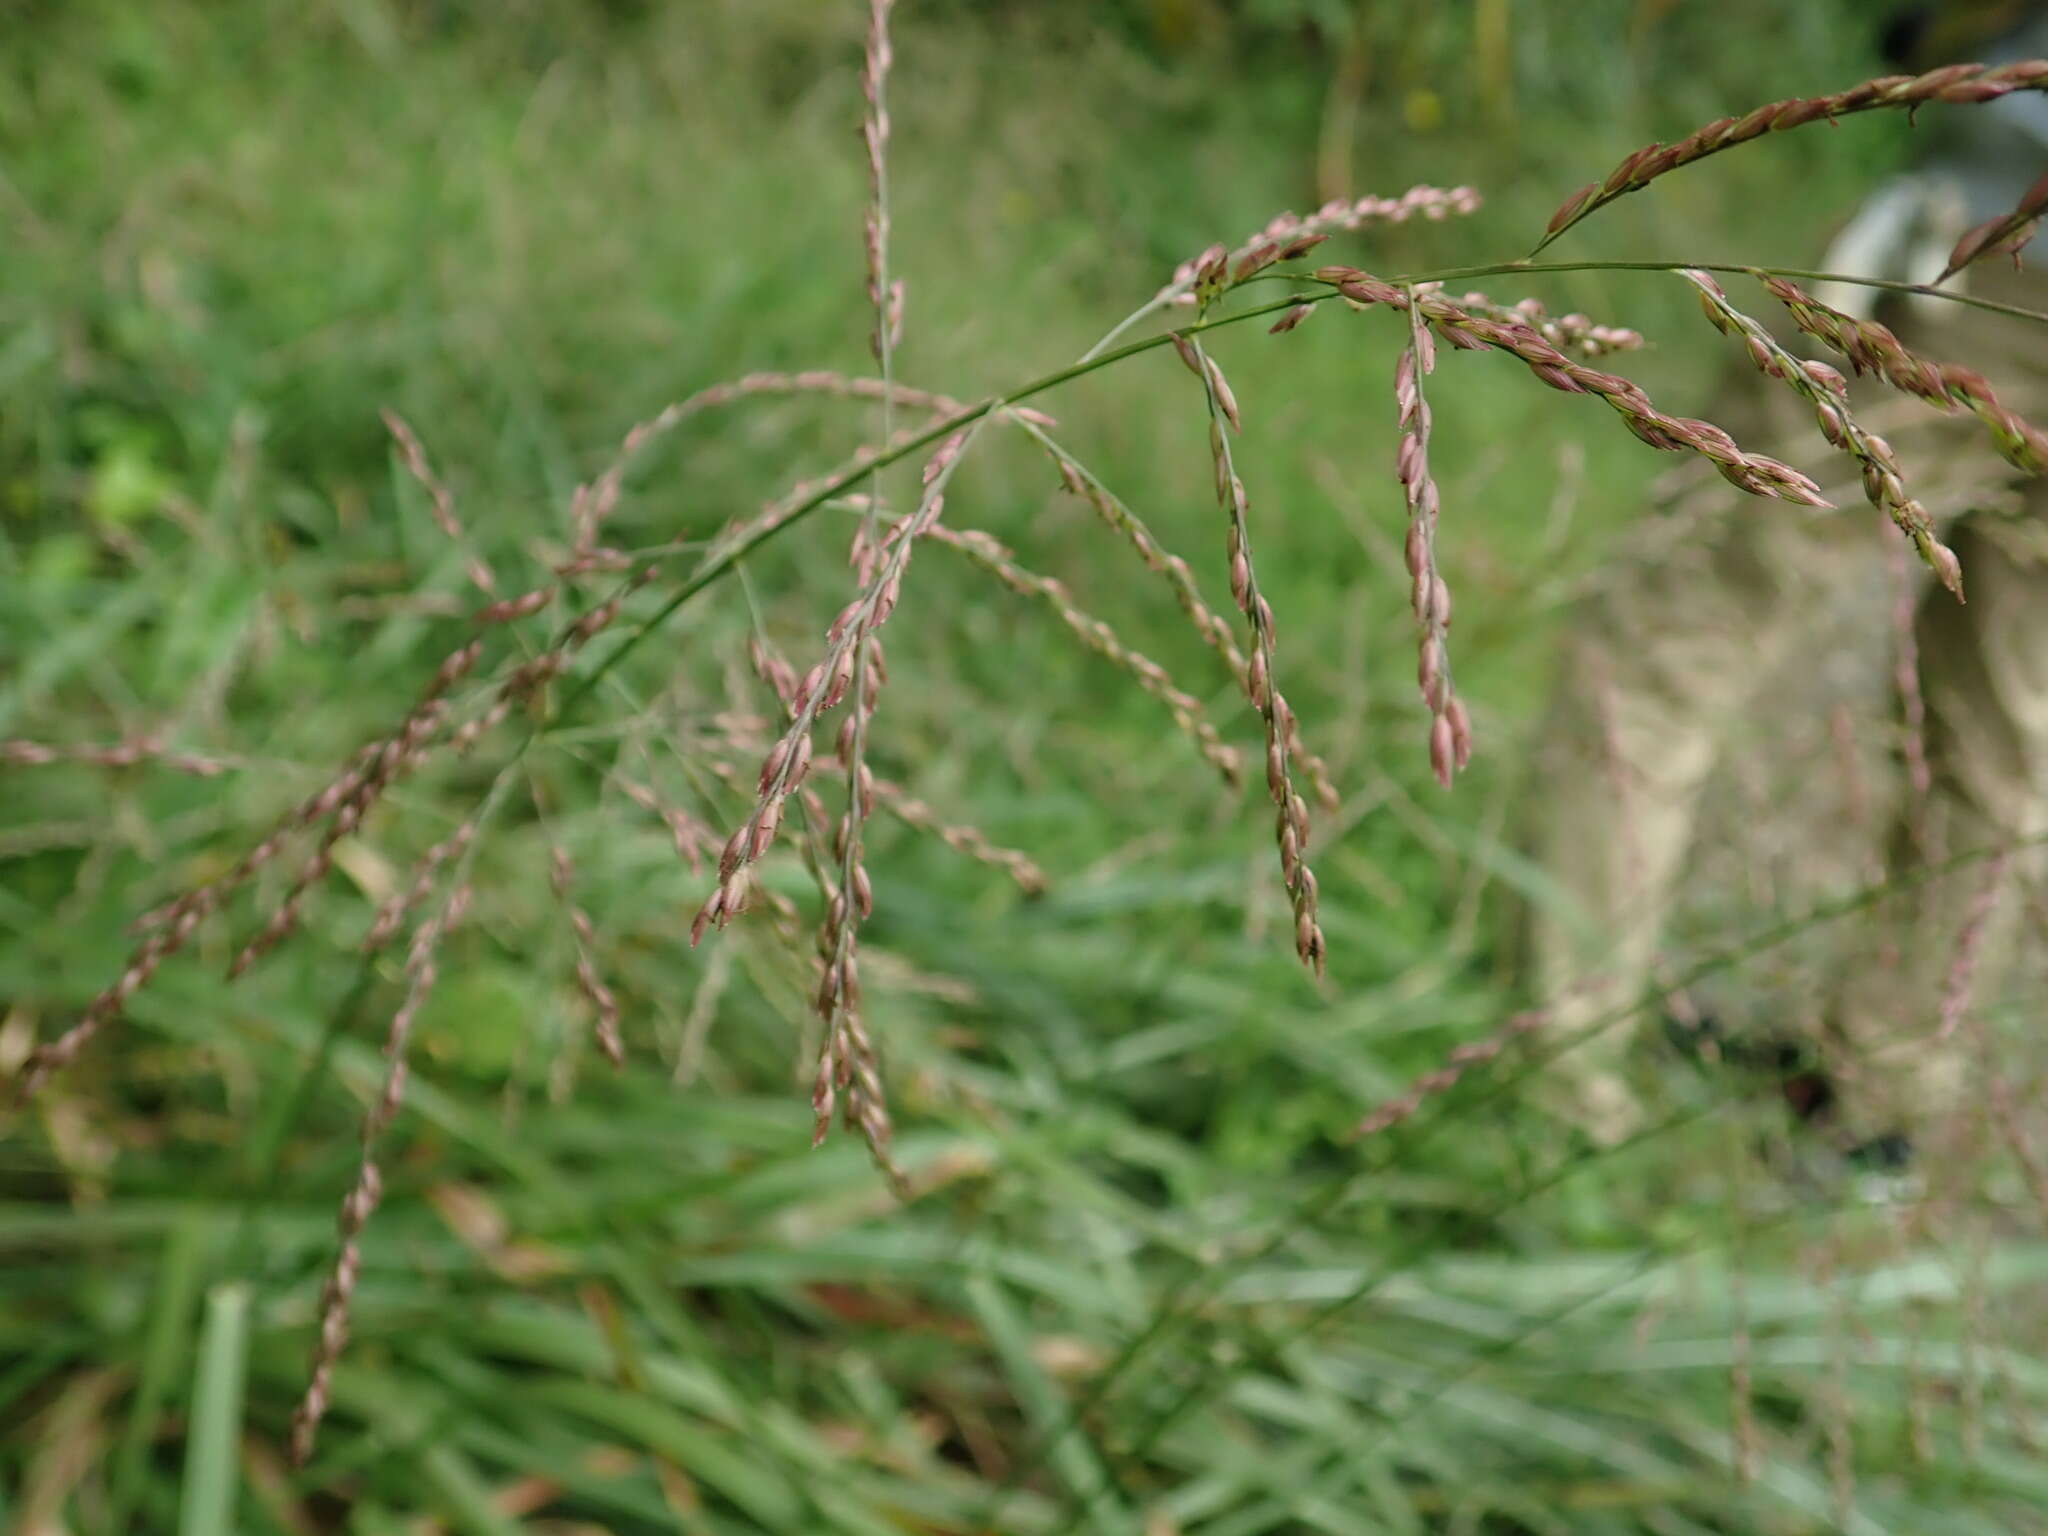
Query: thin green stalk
[
  {"x": 1803, "y": 274},
  {"x": 213, "y": 1443},
  {"x": 1149, "y": 307}
]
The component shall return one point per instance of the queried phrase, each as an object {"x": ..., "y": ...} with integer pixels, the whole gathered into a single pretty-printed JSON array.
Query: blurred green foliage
[{"x": 1149, "y": 1286}]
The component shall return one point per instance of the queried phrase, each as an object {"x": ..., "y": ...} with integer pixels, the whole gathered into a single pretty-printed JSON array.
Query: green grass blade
[
  {"x": 177, "y": 1287},
  {"x": 212, "y": 1473}
]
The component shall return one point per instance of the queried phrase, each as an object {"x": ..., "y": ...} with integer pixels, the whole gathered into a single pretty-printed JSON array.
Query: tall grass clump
[{"x": 570, "y": 704}]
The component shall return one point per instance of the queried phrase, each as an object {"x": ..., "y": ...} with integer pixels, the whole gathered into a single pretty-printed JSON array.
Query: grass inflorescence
[{"x": 585, "y": 756}]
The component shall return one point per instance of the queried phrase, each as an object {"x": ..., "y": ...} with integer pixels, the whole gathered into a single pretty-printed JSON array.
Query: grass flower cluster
[{"x": 541, "y": 665}]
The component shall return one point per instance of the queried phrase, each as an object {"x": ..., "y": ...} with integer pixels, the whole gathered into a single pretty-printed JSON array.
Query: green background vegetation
[{"x": 639, "y": 1302}]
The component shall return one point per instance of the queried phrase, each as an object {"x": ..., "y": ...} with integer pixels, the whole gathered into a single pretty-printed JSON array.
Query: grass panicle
[
  {"x": 847, "y": 1075},
  {"x": 885, "y": 294},
  {"x": 426, "y": 870},
  {"x": 693, "y": 838},
  {"x": 1078, "y": 480},
  {"x": 402, "y": 754},
  {"x": 822, "y": 689},
  {"x": 849, "y": 1067},
  {"x": 898, "y": 802},
  {"x": 543, "y": 689},
  {"x": 967, "y": 841}
]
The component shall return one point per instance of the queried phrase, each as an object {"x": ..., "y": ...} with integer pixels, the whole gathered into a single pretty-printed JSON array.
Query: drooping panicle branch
[
  {"x": 426, "y": 870},
  {"x": 822, "y": 689},
  {"x": 120, "y": 754},
  {"x": 1291, "y": 827},
  {"x": 440, "y": 500},
  {"x": 1462, "y": 1060},
  {"x": 1079, "y": 480},
  {"x": 172, "y": 926},
  {"x": 884, "y": 293},
  {"x": 849, "y": 1068},
  {"x": 1958, "y": 83},
  {"x": 2006, "y": 235},
  {"x": 1450, "y": 730},
  {"x": 1286, "y": 237},
  {"x": 1215, "y": 630},
  {"x": 899, "y": 802},
  {"x": 848, "y": 1074},
  {"x": 396, "y": 758},
  {"x": 1828, "y": 393},
  {"x": 967, "y": 841},
  {"x": 1751, "y": 472},
  {"x": 1874, "y": 349},
  {"x": 336, "y": 1297},
  {"x": 994, "y": 557},
  {"x": 530, "y": 677},
  {"x": 693, "y": 839}
]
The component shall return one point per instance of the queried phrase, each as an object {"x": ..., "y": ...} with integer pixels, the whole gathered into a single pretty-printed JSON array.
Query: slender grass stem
[{"x": 213, "y": 1444}]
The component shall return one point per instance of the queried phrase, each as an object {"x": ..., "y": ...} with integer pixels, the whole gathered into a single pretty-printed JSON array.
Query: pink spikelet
[{"x": 1450, "y": 728}]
